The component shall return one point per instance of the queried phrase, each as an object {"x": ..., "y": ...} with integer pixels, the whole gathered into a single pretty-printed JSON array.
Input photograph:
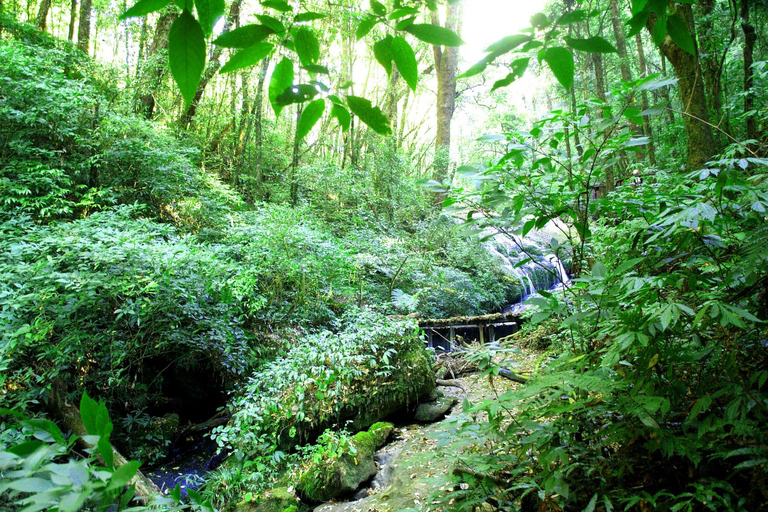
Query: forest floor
[{"x": 424, "y": 456}]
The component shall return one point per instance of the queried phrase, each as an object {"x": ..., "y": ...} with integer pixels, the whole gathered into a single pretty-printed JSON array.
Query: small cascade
[{"x": 525, "y": 261}]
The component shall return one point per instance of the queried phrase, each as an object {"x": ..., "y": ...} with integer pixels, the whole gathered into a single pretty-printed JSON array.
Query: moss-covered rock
[
  {"x": 274, "y": 500},
  {"x": 326, "y": 479},
  {"x": 372, "y": 369},
  {"x": 427, "y": 412}
]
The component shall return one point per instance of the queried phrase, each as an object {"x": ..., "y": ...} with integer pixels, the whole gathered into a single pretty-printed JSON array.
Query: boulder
[
  {"x": 323, "y": 480},
  {"x": 427, "y": 412},
  {"x": 273, "y": 500}
]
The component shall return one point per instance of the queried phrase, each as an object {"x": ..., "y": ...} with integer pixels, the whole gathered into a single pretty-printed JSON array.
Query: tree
[
  {"x": 750, "y": 37},
  {"x": 446, "y": 66},
  {"x": 84, "y": 30},
  {"x": 685, "y": 61},
  {"x": 42, "y": 14}
]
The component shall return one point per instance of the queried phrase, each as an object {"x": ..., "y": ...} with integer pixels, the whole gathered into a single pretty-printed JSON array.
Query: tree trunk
[
  {"x": 749, "y": 95},
  {"x": 213, "y": 66},
  {"x": 154, "y": 73},
  {"x": 42, "y": 15},
  {"x": 621, "y": 42},
  {"x": 446, "y": 65},
  {"x": 701, "y": 143},
  {"x": 644, "y": 100},
  {"x": 72, "y": 20},
  {"x": 84, "y": 30}
]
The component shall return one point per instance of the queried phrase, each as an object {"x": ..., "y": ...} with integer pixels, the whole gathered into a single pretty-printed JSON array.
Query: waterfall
[{"x": 507, "y": 249}]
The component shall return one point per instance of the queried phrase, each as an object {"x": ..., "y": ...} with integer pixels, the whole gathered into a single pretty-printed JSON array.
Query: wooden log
[
  {"x": 509, "y": 374},
  {"x": 451, "y": 383}
]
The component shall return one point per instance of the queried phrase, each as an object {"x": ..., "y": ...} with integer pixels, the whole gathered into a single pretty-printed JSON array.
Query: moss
[
  {"x": 380, "y": 432},
  {"x": 273, "y": 500}
]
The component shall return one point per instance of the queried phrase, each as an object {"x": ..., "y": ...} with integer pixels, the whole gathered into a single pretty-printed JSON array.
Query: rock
[
  {"x": 274, "y": 500},
  {"x": 434, "y": 395},
  {"x": 329, "y": 478},
  {"x": 428, "y": 412}
]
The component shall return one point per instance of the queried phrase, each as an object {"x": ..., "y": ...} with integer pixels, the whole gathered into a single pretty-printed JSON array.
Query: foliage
[
  {"x": 324, "y": 381},
  {"x": 660, "y": 382},
  {"x": 41, "y": 473}
]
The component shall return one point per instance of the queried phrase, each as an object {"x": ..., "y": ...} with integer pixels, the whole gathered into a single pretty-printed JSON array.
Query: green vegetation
[{"x": 228, "y": 226}]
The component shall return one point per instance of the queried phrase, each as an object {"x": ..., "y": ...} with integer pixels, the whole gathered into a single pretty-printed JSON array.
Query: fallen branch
[
  {"x": 509, "y": 374},
  {"x": 460, "y": 472},
  {"x": 451, "y": 383}
]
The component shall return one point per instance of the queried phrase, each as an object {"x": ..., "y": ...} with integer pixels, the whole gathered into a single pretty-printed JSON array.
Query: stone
[
  {"x": 327, "y": 479},
  {"x": 427, "y": 412},
  {"x": 273, "y": 500}
]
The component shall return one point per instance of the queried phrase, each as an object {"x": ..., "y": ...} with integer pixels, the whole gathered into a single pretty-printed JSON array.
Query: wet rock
[
  {"x": 427, "y": 412},
  {"x": 330, "y": 478}
]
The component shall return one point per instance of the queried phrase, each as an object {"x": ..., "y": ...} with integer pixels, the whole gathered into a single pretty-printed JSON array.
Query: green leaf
[
  {"x": 595, "y": 44},
  {"x": 365, "y": 26},
  {"x": 572, "y": 17},
  {"x": 106, "y": 452},
  {"x": 370, "y": 115},
  {"x": 599, "y": 270},
  {"x": 560, "y": 61},
  {"x": 30, "y": 484},
  {"x": 637, "y": 23},
  {"x": 434, "y": 34},
  {"x": 378, "y": 8},
  {"x": 186, "y": 54},
  {"x": 309, "y": 118},
  {"x": 271, "y": 22},
  {"x": 308, "y": 16},
  {"x": 143, "y": 7},
  {"x": 507, "y": 44},
  {"x": 341, "y": 114},
  {"x": 401, "y": 13},
  {"x": 659, "y": 30},
  {"x": 278, "y": 5},
  {"x": 539, "y": 20},
  {"x": 123, "y": 475},
  {"x": 282, "y": 79},
  {"x": 518, "y": 70},
  {"x": 208, "y": 12},
  {"x": 405, "y": 59},
  {"x": 244, "y": 37},
  {"x": 89, "y": 410},
  {"x": 591, "y": 505},
  {"x": 679, "y": 33},
  {"x": 306, "y": 44},
  {"x": 47, "y": 426},
  {"x": 247, "y": 57},
  {"x": 382, "y": 51}
]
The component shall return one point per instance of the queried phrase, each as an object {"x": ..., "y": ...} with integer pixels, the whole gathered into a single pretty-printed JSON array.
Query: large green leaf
[
  {"x": 382, "y": 51},
  {"x": 595, "y": 44},
  {"x": 637, "y": 23},
  {"x": 659, "y": 30},
  {"x": 244, "y": 37},
  {"x": 405, "y": 59},
  {"x": 271, "y": 22},
  {"x": 378, "y": 8},
  {"x": 507, "y": 44},
  {"x": 560, "y": 61},
  {"x": 208, "y": 12},
  {"x": 123, "y": 475},
  {"x": 517, "y": 68},
  {"x": 308, "y": 16},
  {"x": 186, "y": 54},
  {"x": 341, "y": 114},
  {"x": 679, "y": 33},
  {"x": 434, "y": 34},
  {"x": 309, "y": 117},
  {"x": 365, "y": 26},
  {"x": 143, "y": 7},
  {"x": 306, "y": 44},
  {"x": 247, "y": 57},
  {"x": 278, "y": 5},
  {"x": 89, "y": 409},
  {"x": 282, "y": 79},
  {"x": 370, "y": 115}
]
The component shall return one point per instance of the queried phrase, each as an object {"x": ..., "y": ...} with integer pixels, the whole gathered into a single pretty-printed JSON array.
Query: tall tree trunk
[
  {"x": 156, "y": 70},
  {"x": 213, "y": 66},
  {"x": 42, "y": 15},
  {"x": 597, "y": 61},
  {"x": 749, "y": 46},
  {"x": 84, "y": 30},
  {"x": 713, "y": 57},
  {"x": 446, "y": 65},
  {"x": 72, "y": 20},
  {"x": 644, "y": 99},
  {"x": 701, "y": 143}
]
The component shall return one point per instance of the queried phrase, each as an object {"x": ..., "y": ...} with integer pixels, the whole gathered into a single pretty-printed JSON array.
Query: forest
[{"x": 234, "y": 234}]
